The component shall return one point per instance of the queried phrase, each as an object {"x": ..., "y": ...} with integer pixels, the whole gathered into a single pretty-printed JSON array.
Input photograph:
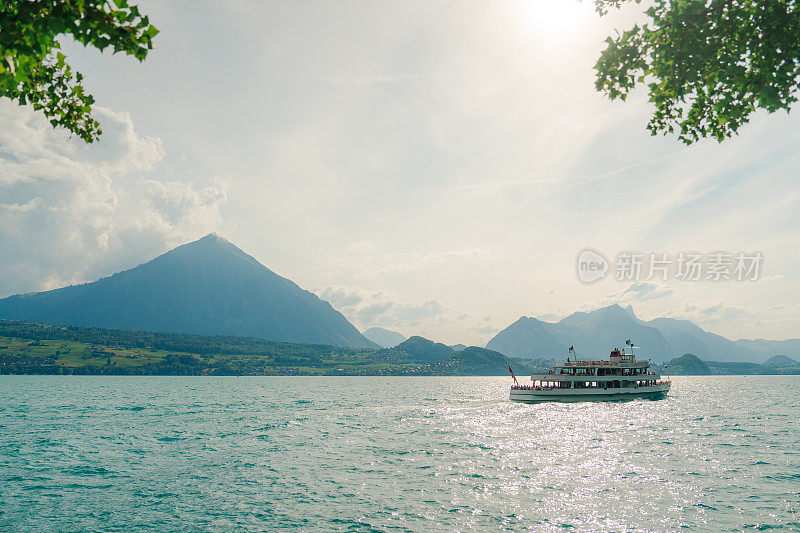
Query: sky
[{"x": 430, "y": 167}]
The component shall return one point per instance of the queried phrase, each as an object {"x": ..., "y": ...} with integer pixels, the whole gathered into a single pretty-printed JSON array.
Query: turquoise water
[{"x": 375, "y": 454}]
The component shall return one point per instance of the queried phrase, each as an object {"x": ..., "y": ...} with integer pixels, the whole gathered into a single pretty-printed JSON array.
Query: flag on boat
[
  {"x": 571, "y": 349},
  {"x": 513, "y": 376}
]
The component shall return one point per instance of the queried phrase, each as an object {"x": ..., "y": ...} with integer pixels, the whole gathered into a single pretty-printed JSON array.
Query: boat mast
[{"x": 629, "y": 343}]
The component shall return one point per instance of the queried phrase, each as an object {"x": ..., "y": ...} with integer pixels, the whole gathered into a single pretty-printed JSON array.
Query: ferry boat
[{"x": 619, "y": 378}]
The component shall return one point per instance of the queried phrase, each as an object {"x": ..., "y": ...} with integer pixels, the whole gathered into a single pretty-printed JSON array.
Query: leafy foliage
[
  {"x": 33, "y": 70},
  {"x": 708, "y": 65}
]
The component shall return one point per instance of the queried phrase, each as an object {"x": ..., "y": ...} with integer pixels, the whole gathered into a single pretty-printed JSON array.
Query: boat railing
[
  {"x": 636, "y": 385},
  {"x": 579, "y": 363}
]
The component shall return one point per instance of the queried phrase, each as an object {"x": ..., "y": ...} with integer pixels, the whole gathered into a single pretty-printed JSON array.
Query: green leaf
[{"x": 30, "y": 31}]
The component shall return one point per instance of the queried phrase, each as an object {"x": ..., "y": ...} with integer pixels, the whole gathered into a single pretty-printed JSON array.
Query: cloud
[
  {"x": 485, "y": 330},
  {"x": 175, "y": 204},
  {"x": 379, "y": 313},
  {"x": 714, "y": 311},
  {"x": 340, "y": 297},
  {"x": 370, "y": 259},
  {"x": 379, "y": 309},
  {"x": 121, "y": 150},
  {"x": 638, "y": 292},
  {"x": 415, "y": 313},
  {"x": 71, "y": 212}
]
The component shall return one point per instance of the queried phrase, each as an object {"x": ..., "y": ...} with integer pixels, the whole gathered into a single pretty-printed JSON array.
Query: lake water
[{"x": 376, "y": 454}]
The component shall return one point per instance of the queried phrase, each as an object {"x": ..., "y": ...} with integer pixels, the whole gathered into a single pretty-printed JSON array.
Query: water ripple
[{"x": 375, "y": 454}]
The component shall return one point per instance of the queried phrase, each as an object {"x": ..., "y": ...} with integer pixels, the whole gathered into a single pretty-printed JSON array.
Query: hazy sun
[{"x": 555, "y": 18}]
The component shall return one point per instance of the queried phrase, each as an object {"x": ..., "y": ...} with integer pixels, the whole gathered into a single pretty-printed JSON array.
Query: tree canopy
[
  {"x": 34, "y": 71},
  {"x": 707, "y": 64}
]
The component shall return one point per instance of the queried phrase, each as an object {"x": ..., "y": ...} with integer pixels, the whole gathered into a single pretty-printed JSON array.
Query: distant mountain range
[
  {"x": 211, "y": 287},
  {"x": 594, "y": 333},
  {"x": 384, "y": 338},
  {"x": 205, "y": 287}
]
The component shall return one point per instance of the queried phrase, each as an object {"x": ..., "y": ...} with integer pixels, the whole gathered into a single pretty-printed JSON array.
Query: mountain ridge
[
  {"x": 595, "y": 332},
  {"x": 208, "y": 286},
  {"x": 591, "y": 333},
  {"x": 385, "y": 338}
]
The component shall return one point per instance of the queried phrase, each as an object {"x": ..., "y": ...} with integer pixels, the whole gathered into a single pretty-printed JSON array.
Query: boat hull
[{"x": 653, "y": 392}]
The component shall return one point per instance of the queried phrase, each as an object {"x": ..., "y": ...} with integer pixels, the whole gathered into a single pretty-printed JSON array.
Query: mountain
[
  {"x": 765, "y": 349},
  {"x": 691, "y": 365},
  {"x": 384, "y": 338},
  {"x": 687, "y": 365},
  {"x": 421, "y": 350},
  {"x": 477, "y": 362},
  {"x": 208, "y": 286},
  {"x": 781, "y": 360},
  {"x": 527, "y": 338},
  {"x": 686, "y": 337},
  {"x": 441, "y": 359},
  {"x": 597, "y": 332},
  {"x": 593, "y": 334}
]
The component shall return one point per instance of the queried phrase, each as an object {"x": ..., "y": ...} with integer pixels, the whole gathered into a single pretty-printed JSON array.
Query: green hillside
[
  {"x": 27, "y": 348},
  {"x": 691, "y": 365},
  {"x": 419, "y": 350},
  {"x": 781, "y": 360}
]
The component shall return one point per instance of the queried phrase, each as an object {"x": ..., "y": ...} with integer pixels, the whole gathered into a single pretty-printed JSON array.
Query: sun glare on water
[{"x": 555, "y": 19}]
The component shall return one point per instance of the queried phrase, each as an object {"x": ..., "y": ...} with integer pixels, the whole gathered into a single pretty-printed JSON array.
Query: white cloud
[
  {"x": 485, "y": 330},
  {"x": 371, "y": 259},
  {"x": 367, "y": 309},
  {"x": 175, "y": 205},
  {"x": 340, "y": 297},
  {"x": 640, "y": 291},
  {"x": 71, "y": 212},
  {"x": 413, "y": 314},
  {"x": 713, "y": 311}
]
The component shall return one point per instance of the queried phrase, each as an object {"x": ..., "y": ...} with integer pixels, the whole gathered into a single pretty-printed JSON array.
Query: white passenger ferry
[{"x": 621, "y": 377}]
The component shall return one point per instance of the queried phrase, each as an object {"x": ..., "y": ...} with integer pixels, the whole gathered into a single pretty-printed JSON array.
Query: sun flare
[{"x": 555, "y": 19}]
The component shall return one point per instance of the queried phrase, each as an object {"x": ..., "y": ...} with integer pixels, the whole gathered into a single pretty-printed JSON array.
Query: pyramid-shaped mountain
[{"x": 208, "y": 286}]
